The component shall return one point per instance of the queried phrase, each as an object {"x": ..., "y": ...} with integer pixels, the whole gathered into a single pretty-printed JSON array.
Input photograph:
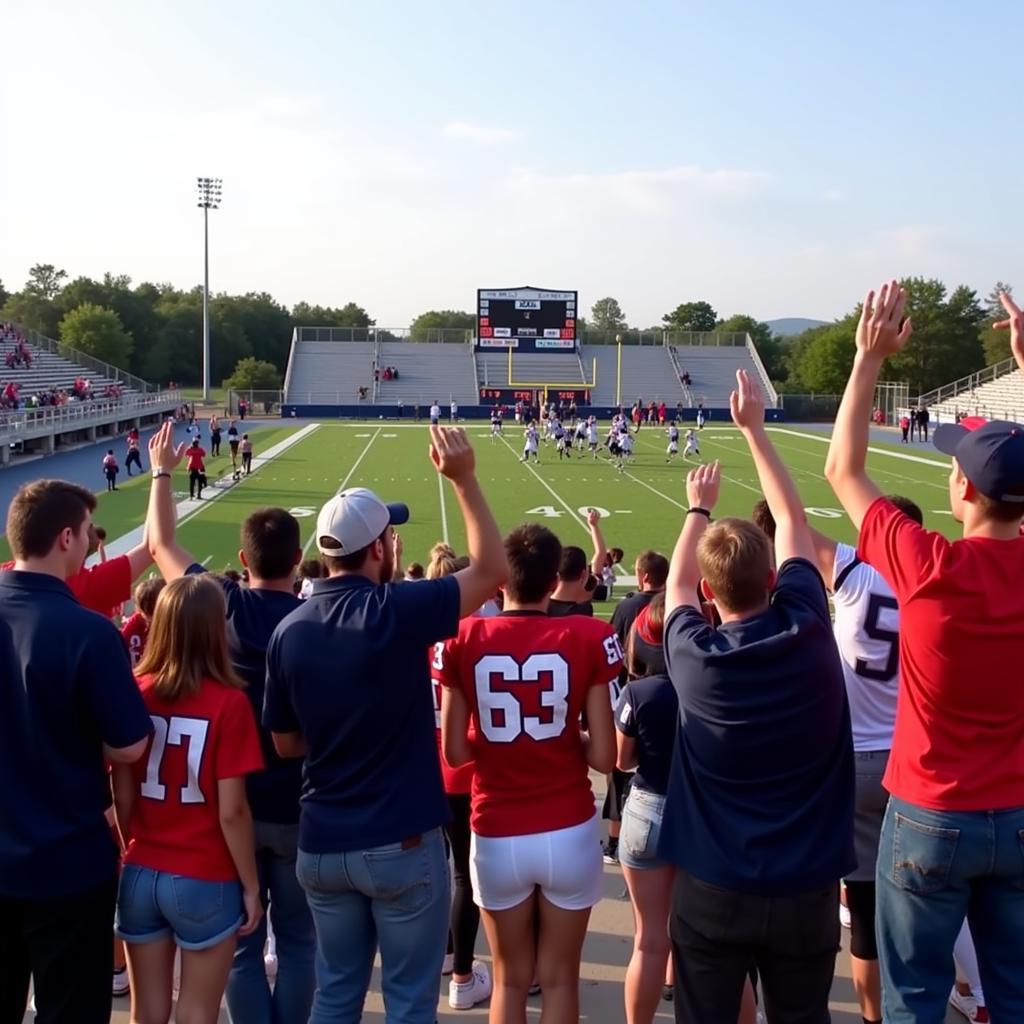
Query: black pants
[
  {"x": 195, "y": 482},
  {"x": 718, "y": 935},
  {"x": 465, "y": 920},
  {"x": 66, "y": 945},
  {"x": 215, "y": 444},
  {"x": 133, "y": 459},
  {"x": 247, "y": 462}
]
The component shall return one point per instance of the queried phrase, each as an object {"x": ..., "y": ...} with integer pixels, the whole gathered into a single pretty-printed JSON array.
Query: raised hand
[
  {"x": 593, "y": 517},
  {"x": 451, "y": 453},
  {"x": 746, "y": 403},
  {"x": 1015, "y": 325},
  {"x": 163, "y": 452},
  {"x": 879, "y": 331},
  {"x": 702, "y": 485}
]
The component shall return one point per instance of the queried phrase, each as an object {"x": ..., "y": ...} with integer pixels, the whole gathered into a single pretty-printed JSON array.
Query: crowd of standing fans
[{"x": 318, "y": 754}]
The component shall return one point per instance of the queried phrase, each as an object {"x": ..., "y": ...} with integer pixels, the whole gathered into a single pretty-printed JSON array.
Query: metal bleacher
[
  {"x": 997, "y": 392},
  {"x": 530, "y": 368},
  {"x": 712, "y": 370},
  {"x": 50, "y": 371},
  {"x": 647, "y": 373},
  {"x": 427, "y": 372},
  {"x": 329, "y": 372}
]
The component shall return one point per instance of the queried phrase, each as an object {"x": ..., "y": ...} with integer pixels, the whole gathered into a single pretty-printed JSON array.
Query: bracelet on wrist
[{"x": 696, "y": 509}]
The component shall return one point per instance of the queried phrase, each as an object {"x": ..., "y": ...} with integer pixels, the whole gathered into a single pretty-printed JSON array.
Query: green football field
[{"x": 641, "y": 507}]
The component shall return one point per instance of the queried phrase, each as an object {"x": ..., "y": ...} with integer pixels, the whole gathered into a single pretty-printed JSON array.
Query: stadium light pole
[{"x": 209, "y": 199}]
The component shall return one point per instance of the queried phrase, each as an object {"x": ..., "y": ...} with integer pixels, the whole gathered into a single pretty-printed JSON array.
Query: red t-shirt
[
  {"x": 526, "y": 679},
  {"x": 134, "y": 633},
  {"x": 456, "y": 780},
  {"x": 101, "y": 588},
  {"x": 959, "y": 739},
  {"x": 198, "y": 740},
  {"x": 195, "y": 458}
]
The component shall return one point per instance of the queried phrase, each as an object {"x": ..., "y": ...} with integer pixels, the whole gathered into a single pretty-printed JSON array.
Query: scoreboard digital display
[{"x": 525, "y": 317}]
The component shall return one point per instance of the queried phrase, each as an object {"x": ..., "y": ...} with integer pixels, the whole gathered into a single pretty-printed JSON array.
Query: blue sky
[{"x": 776, "y": 159}]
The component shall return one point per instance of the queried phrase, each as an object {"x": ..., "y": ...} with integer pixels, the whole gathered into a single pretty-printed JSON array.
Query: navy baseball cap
[{"x": 990, "y": 454}]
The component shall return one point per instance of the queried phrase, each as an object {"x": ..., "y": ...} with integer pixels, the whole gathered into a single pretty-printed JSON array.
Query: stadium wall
[{"x": 477, "y": 412}]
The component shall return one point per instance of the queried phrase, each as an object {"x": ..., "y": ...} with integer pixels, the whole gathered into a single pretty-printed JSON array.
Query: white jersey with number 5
[{"x": 867, "y": 630}]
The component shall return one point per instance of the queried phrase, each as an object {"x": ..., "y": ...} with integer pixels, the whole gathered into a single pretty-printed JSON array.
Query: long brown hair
[
  {"x": 648, "y": 628},
  {"x": 187, "y": 640}
]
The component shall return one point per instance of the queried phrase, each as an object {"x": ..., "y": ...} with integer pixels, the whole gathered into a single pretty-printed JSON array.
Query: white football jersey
[{"x": 867, "y": 630}]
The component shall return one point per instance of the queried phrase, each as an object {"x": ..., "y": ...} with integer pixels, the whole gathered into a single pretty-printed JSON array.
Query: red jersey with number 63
[
  {"x": 197, "y": 741},
  {"x": 525, "y": 678}
]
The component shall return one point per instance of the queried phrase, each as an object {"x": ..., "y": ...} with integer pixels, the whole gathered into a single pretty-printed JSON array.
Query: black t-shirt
[
  {"x": 628, "y": 609},
  {"x": 762, "y": 783},
  {"x": 647, "y": 711},
  {"x": 560, "y": 608}
]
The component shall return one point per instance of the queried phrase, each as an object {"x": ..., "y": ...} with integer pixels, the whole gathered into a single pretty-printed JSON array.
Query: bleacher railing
[
  {"x": 462, "y": 336},
  {"x": 966, "y": 384},
  {"x": 46, "y": 344},
  {"x": 15, "y": 424}
]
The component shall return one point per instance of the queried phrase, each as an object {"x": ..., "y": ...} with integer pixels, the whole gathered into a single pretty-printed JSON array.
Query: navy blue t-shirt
[
  {"x": 647, "y": 711},
  {"x": 761, "y": 790},
  {"x": 349, "y": 669},
  {"x": 253, "y": 615},
  {"x": 66, "y": 688}
]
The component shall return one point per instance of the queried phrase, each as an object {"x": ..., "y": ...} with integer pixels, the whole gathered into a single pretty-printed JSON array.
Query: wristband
[
  {"x": 157, "y": 473},
  {"x": 699, "y": 511}
]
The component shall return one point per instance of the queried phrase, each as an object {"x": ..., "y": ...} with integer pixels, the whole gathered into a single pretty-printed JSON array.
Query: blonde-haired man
[{"x": 759, "y": 814}]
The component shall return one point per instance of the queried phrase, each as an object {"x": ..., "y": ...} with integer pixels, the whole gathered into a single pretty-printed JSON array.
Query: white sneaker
[
  {"x": 967, "y": 1005},
  {"x": 449, "y": 964},
  {"x": 844, "y": 916},
  {"x": 120, "y": 986},
  {"x": 464, "y": 995}
]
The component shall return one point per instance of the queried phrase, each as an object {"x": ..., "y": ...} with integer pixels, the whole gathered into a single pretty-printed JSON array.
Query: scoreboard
[{"x": 526, "y": 318}]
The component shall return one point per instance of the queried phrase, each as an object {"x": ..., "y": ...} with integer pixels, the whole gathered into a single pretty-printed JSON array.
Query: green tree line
[{"x": 155, "y": 330}]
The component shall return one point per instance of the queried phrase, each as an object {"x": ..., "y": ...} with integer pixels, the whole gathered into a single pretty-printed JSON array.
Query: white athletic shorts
[
  {"x": 564, "y": 864},
  {"x": 673, "y": 447}
]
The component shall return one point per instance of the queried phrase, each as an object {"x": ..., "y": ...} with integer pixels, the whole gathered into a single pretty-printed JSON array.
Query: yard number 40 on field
[{"x": 550, "y": 512}]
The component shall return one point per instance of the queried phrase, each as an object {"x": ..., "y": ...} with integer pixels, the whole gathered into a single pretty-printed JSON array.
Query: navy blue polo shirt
[
  {"x": 253, "y": 615},
  {"x": 761, "y": 789},
  {"x": 66, "y": 688},
  {"x": 349, "y": 669}
]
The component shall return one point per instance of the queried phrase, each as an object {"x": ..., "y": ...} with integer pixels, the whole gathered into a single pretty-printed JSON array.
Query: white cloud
[
  {"x": 655, "y": 191},
  {"x": 481, "y": 133}
]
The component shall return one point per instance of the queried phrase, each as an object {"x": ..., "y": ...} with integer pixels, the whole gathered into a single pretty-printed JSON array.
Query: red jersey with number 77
[
  {"x": 197, "y": 740},
  {"x": 526, "y": 678}
]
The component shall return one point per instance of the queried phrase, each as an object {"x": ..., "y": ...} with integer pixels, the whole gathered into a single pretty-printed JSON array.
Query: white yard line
[
  {"x": 444, "y": 511},
  {"x": 573, "y": 514},
  {"x": 344, "y": 484},
  {"x": 906, "y": 457},
  {"x": 189, "y": 508}
]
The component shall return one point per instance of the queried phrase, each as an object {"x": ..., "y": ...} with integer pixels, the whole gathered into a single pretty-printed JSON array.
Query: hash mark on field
[{"x": 207, "y": 560}]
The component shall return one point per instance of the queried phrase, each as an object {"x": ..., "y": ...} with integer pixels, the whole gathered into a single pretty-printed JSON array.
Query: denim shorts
[
  {"x": 154, "y": 905},
  {"x": 641, "y": 828}
]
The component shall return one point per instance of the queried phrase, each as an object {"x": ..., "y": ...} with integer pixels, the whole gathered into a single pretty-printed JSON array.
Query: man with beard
[{"x": 348, "y": 688}]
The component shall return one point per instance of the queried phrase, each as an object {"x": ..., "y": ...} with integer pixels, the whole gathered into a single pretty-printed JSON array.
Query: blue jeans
[
  {"x": 249, "y": 998},
  {"x": 934, "y": 869},
  {"x": 153, "y": 905},
  {"x": 396, "y": 895}
]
